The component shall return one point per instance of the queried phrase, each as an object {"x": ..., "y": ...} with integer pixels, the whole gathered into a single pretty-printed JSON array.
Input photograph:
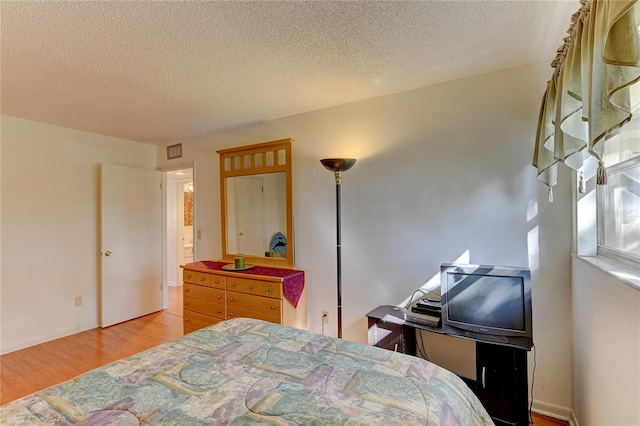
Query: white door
[{"x": 131, "y": 238}]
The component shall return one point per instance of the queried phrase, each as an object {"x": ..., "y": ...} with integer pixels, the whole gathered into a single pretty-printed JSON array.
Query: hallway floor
[{"x": 174, "y": 306}]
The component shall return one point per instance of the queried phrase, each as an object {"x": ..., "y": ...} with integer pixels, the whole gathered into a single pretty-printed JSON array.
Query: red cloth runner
[{"x": 293, "y": 280}]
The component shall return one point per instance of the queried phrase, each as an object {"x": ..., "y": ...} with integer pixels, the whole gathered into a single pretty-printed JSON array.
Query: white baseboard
[
  {"x": 171, "y": 283},
  {"x": 555, "y": 411},
  {"x": 48, "y": 338},
  {"x": 573, "y": 421}
]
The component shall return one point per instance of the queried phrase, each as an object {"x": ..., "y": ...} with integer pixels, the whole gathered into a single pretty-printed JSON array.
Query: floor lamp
[{"x": 337, "y": 166}]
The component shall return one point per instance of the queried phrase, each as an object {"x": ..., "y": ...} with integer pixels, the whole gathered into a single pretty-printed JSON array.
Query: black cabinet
[
  {"x": 501, "y": 383},
  {"x": 392, "y": 336},
  {"x": 501, "y": 371}
]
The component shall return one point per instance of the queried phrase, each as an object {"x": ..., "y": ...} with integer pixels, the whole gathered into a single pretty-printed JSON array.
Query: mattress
[{"x": 248, "y": 372}]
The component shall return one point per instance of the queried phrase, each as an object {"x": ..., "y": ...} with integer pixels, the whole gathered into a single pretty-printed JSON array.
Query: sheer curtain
[{"x": 593, "y": 90}]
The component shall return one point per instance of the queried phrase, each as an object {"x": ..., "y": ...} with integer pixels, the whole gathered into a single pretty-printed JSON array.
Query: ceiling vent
[{"x": 174, "y": 151}]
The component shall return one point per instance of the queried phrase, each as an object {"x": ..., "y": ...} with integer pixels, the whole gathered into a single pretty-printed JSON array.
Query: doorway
[{"x": 179, "y": 221}]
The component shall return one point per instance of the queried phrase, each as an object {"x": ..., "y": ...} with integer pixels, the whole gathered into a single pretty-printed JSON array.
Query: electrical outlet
[
  {"x": 325, "y": 317},
  {"x": 78, "y": 301}
]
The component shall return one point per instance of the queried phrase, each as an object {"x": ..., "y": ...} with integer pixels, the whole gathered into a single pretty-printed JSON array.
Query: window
[{"x": 619, "y": 200}]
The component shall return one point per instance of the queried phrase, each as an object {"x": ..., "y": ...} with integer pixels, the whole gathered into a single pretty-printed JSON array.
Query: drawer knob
[
  {"x": 186, "y": 319},
  {"x": 231, "y": 299},
  {"x": 201, "y": 278},
  {"x": 186, "y": 303},
  {"x": 270, "y": 290},
  {"x": 186, "y": 290},
  {"x": 188, "y": 276},
  {"x": 231, "y": 314},
  {"x": 233, "y": 284},
  {"x": 219, "y": 297},
  {"x": 250, "y": 287},
  {"x": 219, "y": 311},
  {"x": 216, "y": 281},
  {"x": 273, "y": 308}
]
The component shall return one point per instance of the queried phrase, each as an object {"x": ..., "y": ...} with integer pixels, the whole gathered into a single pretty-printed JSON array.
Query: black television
[{"x": 487, "y": 303}]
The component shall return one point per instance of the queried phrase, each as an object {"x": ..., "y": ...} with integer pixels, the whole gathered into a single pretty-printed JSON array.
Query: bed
[{"x": 248, "y": 372}]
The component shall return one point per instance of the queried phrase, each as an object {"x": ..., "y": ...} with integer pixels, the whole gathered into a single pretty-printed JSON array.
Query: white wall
[
  {"x": 50, "y": 233},
  {"x": 606, "y": 348},
  {"x": 442, "y": 172},
  {"x": 606, "y": 324}
]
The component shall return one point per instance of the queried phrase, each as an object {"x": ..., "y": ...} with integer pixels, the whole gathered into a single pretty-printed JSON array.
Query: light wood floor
[
  {"x": 539, "y": 420},
  {"x": 32, "y": 369}
]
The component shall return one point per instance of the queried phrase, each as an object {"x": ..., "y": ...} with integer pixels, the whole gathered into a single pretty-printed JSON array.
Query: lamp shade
[{"x": 338, "y": 164}]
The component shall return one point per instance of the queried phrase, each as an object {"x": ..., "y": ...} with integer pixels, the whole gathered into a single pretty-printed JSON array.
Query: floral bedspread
[{"x": 249, "y": 372}]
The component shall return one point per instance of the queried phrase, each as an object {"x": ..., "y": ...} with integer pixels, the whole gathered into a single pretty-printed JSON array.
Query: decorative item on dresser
[{"x": 213, "y": 294}]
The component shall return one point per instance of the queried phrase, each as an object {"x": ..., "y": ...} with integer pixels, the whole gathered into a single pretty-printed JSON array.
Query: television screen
[
  {"x": 485, "y": 300},
  {"x": 487, "y": 303}
]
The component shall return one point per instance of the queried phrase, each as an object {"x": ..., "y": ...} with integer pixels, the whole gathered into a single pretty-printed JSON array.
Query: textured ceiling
[{"x": 165, "y": 71}]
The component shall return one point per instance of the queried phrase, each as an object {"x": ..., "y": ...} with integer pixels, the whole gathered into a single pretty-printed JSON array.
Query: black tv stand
[{"x": 501, "y": 370}]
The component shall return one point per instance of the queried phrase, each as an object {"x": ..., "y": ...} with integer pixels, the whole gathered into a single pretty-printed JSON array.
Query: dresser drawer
[
  {"x": 235, "y": 284},
  {"x": 204, "y": 300},
  {"x": 257, "y": 287},
  {"x": 251, "y": 286},
  {"x": 205, "y": 293},
  {"x": 245, "y": 313},
  {"x": 194, "y": 321},
  {"x": 271, "y": 307},
  {"x": 188, "y": 276},
  {"x": 210, "y": 280},
  {"x": 271, "y": 290},
  {"x": 205, "y": 307},
  {"x": 217, "y": 281}
]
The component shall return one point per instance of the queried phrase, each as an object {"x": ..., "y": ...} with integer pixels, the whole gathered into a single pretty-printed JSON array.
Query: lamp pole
[
  {"x": 337, "y": 166},
  {"x": 338, "y": 175}
]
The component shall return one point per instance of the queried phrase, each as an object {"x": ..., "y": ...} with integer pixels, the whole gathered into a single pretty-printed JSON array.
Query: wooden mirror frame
[{"x": 243, "y": 161}]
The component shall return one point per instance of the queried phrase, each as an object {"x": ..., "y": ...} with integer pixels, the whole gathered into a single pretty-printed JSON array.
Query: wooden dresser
[{"x": 212, "y": 294}]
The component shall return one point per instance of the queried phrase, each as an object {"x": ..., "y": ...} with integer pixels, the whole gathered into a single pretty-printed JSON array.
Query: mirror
[
  {"x": 256, "y": 212},
  {"x": 256, "y": 202}
]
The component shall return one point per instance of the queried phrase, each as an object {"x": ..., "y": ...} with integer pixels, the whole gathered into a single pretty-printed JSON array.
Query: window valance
[{"x": 593, "y": 90}]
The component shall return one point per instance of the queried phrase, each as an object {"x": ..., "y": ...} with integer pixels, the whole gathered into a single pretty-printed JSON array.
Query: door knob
[{"x": 108, "y": 253}]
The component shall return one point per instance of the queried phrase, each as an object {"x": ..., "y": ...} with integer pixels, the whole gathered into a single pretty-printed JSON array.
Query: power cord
[
  {"x": 533, "y": 378},
  {"x": 420, "y": 348},
  {"x": 424, "y": 292}
]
